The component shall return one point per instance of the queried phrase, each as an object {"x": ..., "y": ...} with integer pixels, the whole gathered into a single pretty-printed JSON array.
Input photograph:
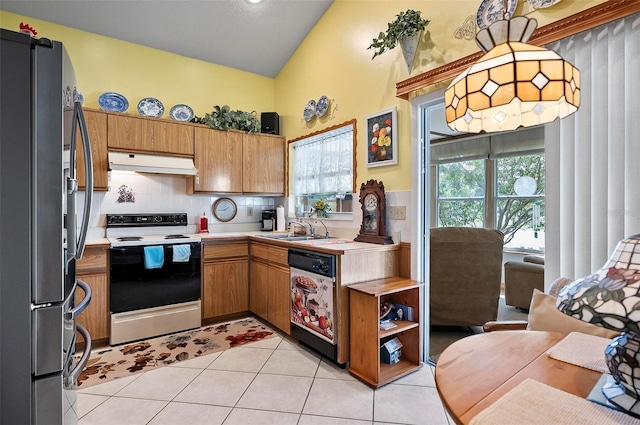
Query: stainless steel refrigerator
[{"x": 40, "y": 125}]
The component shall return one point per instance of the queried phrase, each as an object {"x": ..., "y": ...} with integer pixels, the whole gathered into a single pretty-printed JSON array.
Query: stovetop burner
[
  {"x": 176, "y": 237},
  {"x": 129, "y": 238}
]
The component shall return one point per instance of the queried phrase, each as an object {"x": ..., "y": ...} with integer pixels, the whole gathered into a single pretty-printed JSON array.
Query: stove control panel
[{"x": 143, "y": 220}]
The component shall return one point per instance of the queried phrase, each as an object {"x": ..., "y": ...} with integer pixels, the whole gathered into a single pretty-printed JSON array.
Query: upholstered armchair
[
  {"x": 521, "y": 278},
  {"x": 465, "y": 275}
]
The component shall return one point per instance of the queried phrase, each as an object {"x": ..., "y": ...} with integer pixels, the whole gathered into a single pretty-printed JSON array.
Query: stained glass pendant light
[{"x": 514, "y": 84}]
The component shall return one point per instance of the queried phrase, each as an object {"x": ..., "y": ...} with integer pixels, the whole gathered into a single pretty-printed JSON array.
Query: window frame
[
  {"x": 491, "y": 197},
  {"x": 289, "y": 167}
]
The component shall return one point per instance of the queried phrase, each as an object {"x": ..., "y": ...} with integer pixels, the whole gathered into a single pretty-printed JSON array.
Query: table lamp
[{"x": 610, "y": 298}]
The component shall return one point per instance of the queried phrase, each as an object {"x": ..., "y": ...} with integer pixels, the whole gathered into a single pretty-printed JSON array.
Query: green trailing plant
[
  {"x": 406, "y": 24},
  {"x": 223, "y": 118}
]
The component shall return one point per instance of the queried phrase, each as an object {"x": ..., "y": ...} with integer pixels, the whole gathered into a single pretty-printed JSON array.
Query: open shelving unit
[{"x": 366, "y": 336}]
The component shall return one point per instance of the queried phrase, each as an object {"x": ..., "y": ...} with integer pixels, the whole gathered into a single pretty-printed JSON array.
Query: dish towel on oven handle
[
  {"x": 153, "y": 257},
  {"x": 181, "y": 253}
]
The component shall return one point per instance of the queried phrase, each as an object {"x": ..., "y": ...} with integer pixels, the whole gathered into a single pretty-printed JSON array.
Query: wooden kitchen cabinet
[
  {"x": 218, "y": 159},
  {"x": 149, "y": 135},
  {"x": 93, "y": 269},
  {"x": 269, "y": 284},
  {"x": 237, "y": 162},
  {"x": 130, "y": 133},
  {"x": 172, "y": 138},
  {"x": 225, "y": 280},
  {"x": 279, "y": 298},
  {"x": 97, "y": 128},
  {"x": 264, "y": 162},
  {"x": 258, "y": 287},
  {"x": 367, "y": 338}
]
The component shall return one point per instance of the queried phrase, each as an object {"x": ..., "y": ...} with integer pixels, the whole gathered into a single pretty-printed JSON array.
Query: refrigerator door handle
[
  {"x": 75, "y": 312},
  {"x": 88, "y": 170},
  {"x": 82, "y": 363},
  {"x": 72, "y": 188}
]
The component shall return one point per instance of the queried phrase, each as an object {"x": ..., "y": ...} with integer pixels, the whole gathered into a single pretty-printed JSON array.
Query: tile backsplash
[{"x": 162, "y": 193}]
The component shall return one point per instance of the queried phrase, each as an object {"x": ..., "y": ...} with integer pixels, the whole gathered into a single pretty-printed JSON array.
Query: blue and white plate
[
  {"x": 309, "y": 110},
  {"x": 181, "y": 112},
  {"x": 150, "y": 107},
  {"x": 111, "y": 101},
  {"x": 491, "y": 11},
  {"x": 322, "y": 106}
]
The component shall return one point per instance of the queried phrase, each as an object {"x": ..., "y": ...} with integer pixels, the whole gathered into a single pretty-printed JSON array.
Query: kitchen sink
[{"x": 292, "y": 237}]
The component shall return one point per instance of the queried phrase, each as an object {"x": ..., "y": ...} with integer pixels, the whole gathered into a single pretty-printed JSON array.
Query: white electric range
[{"x": 154, "y": 279}]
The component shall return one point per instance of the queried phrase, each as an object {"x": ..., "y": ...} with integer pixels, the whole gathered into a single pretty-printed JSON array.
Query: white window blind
[
  {"x": 324, "y": 163},
  {"x": 593, "y": 199},
  {"x": 529, "y": 141}
]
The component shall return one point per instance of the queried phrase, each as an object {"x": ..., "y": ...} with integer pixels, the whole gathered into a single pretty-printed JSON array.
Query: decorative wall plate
[
  {"x": 491, "y": 11},
  {"x": 541, "y": 4},
  {"x": 181, "y": 112},
  {"x": 111, "y": 101},
  {"x": 322, "y": 106},
  {"x": 150, "y": 107},
  {"x": 309, "y": 110}
]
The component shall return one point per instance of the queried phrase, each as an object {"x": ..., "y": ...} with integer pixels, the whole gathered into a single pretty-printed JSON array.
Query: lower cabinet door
[
  {"x": 258, "y": 289},
  {"x": 226, "y": 289},
  {"x": 279, "y": 298},
  {"x": 95, "y": 318}
]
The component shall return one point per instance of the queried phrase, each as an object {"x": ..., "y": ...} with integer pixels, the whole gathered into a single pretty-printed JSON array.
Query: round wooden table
[{"x": 476, "y": 371}]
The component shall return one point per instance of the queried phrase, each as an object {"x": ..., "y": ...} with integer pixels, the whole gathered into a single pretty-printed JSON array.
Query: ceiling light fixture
[{"x": 514, "y": 84}]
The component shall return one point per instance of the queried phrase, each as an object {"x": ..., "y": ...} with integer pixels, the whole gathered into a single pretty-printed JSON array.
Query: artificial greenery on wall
[
  {"x": 406, "y": 24},
  {"x": 223, "y": 118}
]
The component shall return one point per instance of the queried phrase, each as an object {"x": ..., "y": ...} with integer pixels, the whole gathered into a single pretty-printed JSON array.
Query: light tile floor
[{"x": 274, "y": 381}]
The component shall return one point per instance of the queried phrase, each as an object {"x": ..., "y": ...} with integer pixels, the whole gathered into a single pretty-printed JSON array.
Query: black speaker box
[{"x": 270, "y": 123}]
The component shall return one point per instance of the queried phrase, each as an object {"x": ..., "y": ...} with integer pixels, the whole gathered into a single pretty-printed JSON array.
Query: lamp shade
[{"x": 513, "y": 85}]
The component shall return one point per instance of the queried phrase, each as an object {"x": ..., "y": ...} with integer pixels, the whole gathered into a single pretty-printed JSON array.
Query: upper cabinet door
[
  {"x": 131, "y": 133},
  {"x": 264, "y": 161},
  {"x": 172, "y": 138},
  {"x": 97, "y": 127},
  {"x": 218, "y": 159}
]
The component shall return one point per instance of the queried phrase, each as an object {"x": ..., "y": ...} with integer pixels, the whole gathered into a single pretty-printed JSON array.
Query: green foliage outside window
[{"x": 461, "y": 194}]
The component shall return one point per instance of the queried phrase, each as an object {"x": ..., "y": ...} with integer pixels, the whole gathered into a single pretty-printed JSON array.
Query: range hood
[{"x": 151, "y": 163}]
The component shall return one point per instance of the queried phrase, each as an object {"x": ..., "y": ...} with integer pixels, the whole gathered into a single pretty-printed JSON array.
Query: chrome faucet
[
  {"x": 326, "y": 231},
  {"x": 304, "y": 225}
]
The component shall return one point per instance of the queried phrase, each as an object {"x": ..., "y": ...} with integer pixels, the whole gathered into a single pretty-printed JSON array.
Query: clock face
[
  {"x": 224, "y": 209},
  {"x": 370, "y": 202}
]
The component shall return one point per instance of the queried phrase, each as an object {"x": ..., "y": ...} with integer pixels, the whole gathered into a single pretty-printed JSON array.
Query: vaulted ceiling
[{"x": 253, "y": 37}]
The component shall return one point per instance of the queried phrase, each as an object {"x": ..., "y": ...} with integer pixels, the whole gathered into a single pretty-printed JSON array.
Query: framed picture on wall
[{"x": 382, "y": 138}]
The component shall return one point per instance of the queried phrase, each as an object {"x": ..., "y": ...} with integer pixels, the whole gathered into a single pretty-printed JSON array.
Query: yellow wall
[
  {"x": 334, "y": 61},
  {"x": 105, "y": 64}
]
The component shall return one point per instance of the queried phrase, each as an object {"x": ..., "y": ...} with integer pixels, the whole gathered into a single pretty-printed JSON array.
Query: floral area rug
[{"x": 117, "y": 362}]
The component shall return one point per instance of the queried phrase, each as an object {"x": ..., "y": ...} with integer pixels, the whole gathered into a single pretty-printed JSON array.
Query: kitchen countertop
[
  {"x": 336, "y": 246},
  {"x": 98, "y": 243}
]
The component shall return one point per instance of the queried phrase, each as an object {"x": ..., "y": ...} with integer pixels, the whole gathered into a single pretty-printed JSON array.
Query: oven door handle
[
  {"x": 75, "y": 312},
  {"x": 86, "y": 354}
]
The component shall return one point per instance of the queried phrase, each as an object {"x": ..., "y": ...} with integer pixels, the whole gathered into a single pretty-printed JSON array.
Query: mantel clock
[{"x": 373, "y": 204}]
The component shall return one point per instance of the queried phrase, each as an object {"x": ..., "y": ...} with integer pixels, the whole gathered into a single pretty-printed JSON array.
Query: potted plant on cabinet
[{"x": 406, "y": 31}]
